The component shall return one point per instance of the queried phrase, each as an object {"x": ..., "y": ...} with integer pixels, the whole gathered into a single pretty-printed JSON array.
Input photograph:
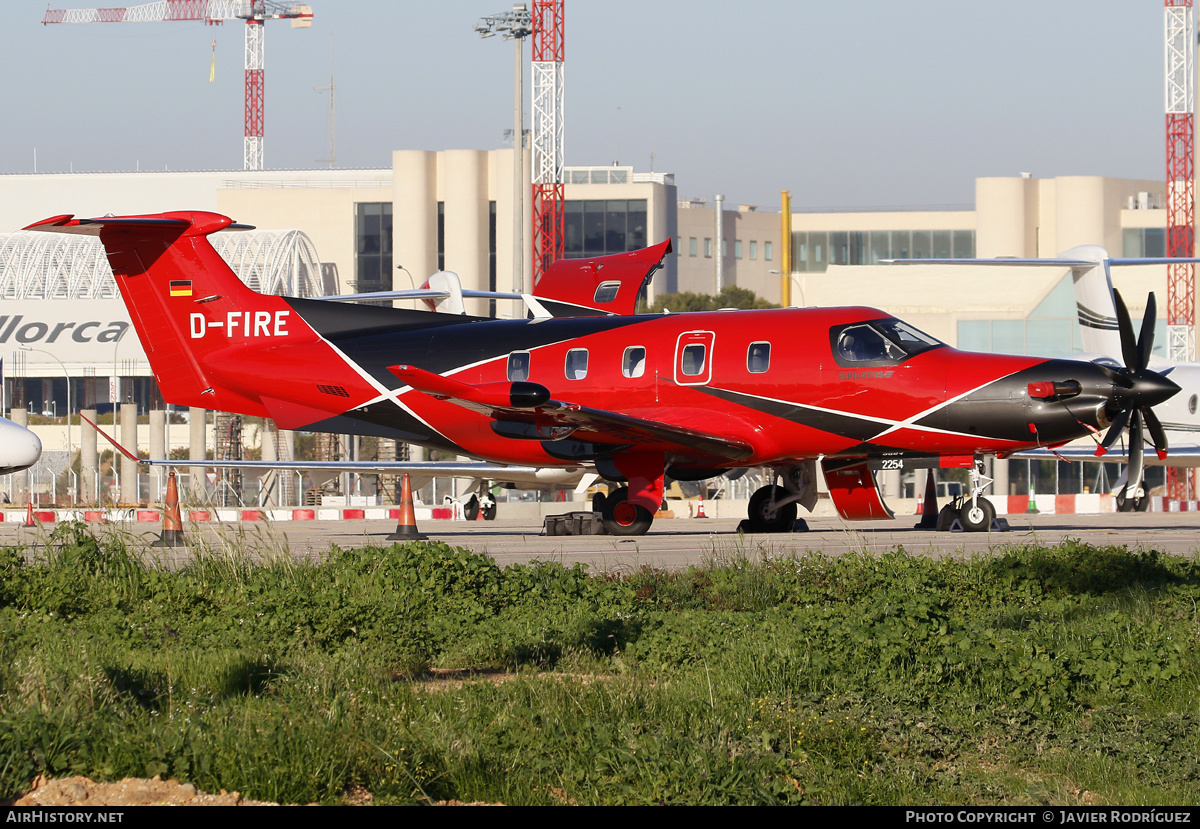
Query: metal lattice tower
[
  {"x": 549, "y": 193},
  {"x": 1181, "y": 198},
  {"x": 1181, "y": 176},
  {"x": 254, "y": 12}
]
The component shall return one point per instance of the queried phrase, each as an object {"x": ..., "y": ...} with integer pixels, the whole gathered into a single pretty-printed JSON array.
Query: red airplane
[{"x": 636, "y": 397}]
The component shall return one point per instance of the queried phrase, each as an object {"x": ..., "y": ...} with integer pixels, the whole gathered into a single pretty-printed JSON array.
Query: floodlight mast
[
  {"x": 212, "y": 12},
  {"x": 515, "y": 25}
]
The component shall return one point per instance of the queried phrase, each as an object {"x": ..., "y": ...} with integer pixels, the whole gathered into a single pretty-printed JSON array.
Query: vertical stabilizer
[{"x": 1094, "y": 301}]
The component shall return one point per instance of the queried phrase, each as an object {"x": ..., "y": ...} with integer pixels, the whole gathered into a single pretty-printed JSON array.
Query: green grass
[{"x": 1039, "y": 675}]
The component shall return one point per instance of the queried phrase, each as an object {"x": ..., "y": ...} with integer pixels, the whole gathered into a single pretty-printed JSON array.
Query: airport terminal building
[{"x": 66, "y": 342}]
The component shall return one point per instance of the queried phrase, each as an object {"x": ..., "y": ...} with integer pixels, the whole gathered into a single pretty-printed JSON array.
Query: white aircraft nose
[{"x": 19, "y": 447}]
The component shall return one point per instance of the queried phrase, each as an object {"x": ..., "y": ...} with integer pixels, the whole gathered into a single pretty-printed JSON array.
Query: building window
[
  {"x": 767, "y": 251},
  {"x": 441, "y": 240},
  {"x": 1144, "y": 241},
  {"x": 491, "y": 256},
  {"x": 753, "y": 251},
  {"x": 814, "y": 251},
  {"x": 737, "y": 248},
  {"x": 373, "y": 247},
  {"x": 708, "y": 248},
  {"x": 601, "y": 227},
  {"x": 691, "y": 246}
]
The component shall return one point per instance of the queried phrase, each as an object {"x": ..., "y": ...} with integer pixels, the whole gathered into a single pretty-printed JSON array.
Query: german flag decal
[{"x": 181, "y": 287}]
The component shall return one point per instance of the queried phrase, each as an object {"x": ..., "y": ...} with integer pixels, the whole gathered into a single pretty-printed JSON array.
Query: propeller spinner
[{"x": 1136, "y": 389}]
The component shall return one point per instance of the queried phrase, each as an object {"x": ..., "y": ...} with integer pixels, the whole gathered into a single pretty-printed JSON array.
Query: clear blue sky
[{"x": 871, "y": 103}]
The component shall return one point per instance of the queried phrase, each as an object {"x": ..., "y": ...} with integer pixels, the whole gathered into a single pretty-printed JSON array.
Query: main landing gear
[
  {"x": 772, "y": 510},
  {"x": 623, "y": 518},
  {"x": 475, "y": 505},
  {"x": 773, "y": 507},
  {"x": 1139, "y": 504}
]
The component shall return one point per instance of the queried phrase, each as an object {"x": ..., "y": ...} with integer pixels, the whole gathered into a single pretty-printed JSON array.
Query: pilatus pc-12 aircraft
[{"x": 636, "y": 398}]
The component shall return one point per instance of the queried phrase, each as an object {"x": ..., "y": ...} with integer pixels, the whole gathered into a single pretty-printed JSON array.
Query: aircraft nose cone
[
  {"x": 19, "y": 447},
  {"x": 1150, "y": 389}
]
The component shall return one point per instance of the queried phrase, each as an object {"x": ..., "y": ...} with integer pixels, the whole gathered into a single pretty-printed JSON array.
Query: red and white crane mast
[
  {"x": 254, "y": 12},
  {"x": 1181, "y": 199},
  {"x": 549, "y": 193}
]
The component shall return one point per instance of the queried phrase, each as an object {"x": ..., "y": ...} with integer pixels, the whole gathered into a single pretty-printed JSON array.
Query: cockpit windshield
[{"x": 880, "y": 342}]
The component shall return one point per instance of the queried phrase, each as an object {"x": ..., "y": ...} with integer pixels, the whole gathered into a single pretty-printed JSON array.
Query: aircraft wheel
[
  {"x": 764, "y": 519},
  {"x": 977, "y": 518},
  {"x": 1132, "y": 504},
  {"x": 623, "y": 518},
  {"x": 489, "y": 512},
  {"x": 471, "y": 508}
]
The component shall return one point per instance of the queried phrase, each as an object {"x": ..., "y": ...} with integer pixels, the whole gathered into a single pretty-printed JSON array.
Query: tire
[
  {"x": 598, "y": 500},
  {"x": 1132, "y": 504},
  {"x": 765, "y": 520},
  {"x": 623, "y": 518},
  {"x": 489, "y": 512},
  {"x": 471, "y": 508},
  {"x": 977, "y": 518}
]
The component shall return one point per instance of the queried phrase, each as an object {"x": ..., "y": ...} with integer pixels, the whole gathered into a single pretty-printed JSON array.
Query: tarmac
[{"x": 670, "y": 544}]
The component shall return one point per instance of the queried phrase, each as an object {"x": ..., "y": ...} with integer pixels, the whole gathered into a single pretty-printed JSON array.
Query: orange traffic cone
[
  {"x": 29, "y": 522},
  {"x": 172, "y": 533},
  {"x": 700, "y": 507},
  {"x": 406, "y": 528},
  {"x": 929, "y": 507}
]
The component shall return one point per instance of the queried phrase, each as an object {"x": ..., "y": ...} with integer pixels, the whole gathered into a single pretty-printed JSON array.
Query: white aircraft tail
[{"x": 1094, "y": 300}]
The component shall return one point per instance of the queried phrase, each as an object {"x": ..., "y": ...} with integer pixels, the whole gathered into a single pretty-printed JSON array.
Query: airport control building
[{"x": 66, "y": 342}]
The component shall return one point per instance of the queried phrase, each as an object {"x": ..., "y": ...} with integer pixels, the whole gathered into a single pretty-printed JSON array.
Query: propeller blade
[
  {"x": 1146, "y": 339},
  {"x": 1125, "y": 328},
  {"x": 1117, "y": 377},
  {"x": 1136, "y": 457},
  {"x": 1115, "y": 430},
  {"x": 1157, "y": 436}
]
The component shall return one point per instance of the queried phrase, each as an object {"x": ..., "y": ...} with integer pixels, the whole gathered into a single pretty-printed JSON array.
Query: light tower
[
  {"x": 515, "y": 26},
  {"x": 1181, "y": 198},
  {"x": 254, "y": 12},
  {"x": 549, "y": 193}
]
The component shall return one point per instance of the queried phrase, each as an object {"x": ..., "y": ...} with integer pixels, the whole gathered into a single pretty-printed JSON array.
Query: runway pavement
[{"x": 670, "y": 544}]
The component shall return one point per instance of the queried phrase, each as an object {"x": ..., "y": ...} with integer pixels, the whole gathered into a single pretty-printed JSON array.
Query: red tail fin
[{"x": 200, "y": 326}]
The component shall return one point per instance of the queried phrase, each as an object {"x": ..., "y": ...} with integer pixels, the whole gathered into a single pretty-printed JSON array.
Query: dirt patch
[
  {"x": 80, "y": 791},
  {"x": 132, "y": 791}
]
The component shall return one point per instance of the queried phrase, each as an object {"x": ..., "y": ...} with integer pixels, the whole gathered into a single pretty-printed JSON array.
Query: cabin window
[
  {"x": 633, "y": 364},
  {"x": 880, "y": 342},
  {"x": 863, "y": 344},
  {"x": 606, "y": 292},
  {"x": 758, "y": 357},
  {"x": 577, "y": 364},
  {"x": 518, "y": 366},
  {"x": 692, "y": 364}
]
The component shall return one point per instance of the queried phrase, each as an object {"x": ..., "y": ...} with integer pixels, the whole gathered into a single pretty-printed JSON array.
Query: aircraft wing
[
  {"x": 428, "y": 469},
  {"x": 525, "y": 410},
  {"x": 1182, "y": 456}
]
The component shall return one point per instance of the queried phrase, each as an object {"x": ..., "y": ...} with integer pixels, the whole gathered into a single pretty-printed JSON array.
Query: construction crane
[
  {"x": 549, "y": 193},
  {"x": 1181, "y": 201},
  {"x": 212, "y": 12}
]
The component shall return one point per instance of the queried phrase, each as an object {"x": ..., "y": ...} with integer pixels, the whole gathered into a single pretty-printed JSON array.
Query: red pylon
[
  {"x": 29, "y": 522},
  {"x": 700, "y": 507},
  {"x": 172, "y": 533},
  {"x": 406, "y": 527}
]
